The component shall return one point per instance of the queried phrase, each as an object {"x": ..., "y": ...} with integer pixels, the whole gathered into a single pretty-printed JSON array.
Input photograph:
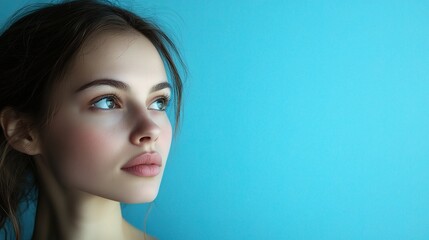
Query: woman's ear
[{"x": 18, "y": 132}]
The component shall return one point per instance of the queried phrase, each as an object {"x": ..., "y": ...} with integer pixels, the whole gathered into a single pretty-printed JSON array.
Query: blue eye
[
  {"x": 105, "y": 103},
  {"x": 160, "y": 104}
]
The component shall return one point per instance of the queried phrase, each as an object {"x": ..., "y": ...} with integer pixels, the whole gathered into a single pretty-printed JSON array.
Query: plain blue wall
[{"x": 303, "y": 120}]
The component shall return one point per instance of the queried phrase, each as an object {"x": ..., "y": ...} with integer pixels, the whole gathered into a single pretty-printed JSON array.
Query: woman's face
[{"x": 111, "y": 111}]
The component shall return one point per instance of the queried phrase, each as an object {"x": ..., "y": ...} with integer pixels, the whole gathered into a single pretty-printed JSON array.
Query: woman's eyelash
[
  {"x": 115, "y": 100},
  {"x": 166, "y": 99},
  {"x": 110, "y": 96}
]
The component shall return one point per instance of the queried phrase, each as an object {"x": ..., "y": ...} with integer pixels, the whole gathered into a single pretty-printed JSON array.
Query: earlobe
[{"x": 18, "y": 132}]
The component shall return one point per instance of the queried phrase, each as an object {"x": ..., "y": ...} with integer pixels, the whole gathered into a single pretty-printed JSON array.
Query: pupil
[
  {"x": 160, "y": 104},
  {"x": 110, "y": 104}
]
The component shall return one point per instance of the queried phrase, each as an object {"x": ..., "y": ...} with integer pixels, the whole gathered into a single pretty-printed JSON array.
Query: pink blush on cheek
[{"x": 84, "y": 153}]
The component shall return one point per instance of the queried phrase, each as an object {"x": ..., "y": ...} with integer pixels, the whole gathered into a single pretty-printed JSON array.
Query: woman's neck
[
  {"x": 83, "y": 217},
  {"x": 69, "y": 215}
]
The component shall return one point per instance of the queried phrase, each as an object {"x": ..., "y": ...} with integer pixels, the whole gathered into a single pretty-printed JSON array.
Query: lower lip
[{"x": 144, "y": 170}]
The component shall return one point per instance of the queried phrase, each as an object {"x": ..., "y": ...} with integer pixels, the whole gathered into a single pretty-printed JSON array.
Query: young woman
[{"x": 83, "y": 98}]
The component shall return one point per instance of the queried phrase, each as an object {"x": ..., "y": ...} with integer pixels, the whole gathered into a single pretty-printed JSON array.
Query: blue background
[{"x": 303, "y": 120}]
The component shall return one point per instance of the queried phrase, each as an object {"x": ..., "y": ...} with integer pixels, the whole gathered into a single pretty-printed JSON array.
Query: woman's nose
[{"x": 145, "y": 130}]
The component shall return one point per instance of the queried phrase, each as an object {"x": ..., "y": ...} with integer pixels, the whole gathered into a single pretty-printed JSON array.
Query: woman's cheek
[{"x": 85, "y": 152}]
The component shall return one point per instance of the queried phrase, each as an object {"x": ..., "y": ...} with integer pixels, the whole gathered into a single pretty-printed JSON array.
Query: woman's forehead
[
  {"x": 113, "y": 54},
  {"x": 116, "y": 48}
]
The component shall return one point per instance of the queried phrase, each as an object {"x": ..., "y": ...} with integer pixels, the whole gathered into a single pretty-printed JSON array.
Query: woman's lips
[{"x": 144, "y": 165}]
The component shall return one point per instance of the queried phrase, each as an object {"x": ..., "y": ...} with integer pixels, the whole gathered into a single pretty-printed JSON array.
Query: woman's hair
[{"x": 35, "y": 51}]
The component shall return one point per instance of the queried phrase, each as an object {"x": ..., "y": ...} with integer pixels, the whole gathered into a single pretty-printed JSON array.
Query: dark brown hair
[{"x": 35, "y": 50}]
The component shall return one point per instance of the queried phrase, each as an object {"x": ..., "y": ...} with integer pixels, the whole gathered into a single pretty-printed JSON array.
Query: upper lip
[{"x": 147, "y": 158}]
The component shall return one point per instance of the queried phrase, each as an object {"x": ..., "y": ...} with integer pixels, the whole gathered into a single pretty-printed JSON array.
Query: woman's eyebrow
[
  {"x": 160, "y": 86},
  {"x": 109, "y": 82},
  {"x": 120, "y": 85}
]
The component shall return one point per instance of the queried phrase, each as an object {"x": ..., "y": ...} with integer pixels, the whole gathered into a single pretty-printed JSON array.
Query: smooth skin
[{"x": 107, "y": 116}]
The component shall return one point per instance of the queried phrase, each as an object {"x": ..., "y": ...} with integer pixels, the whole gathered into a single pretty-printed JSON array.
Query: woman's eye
[
  {"x": 160, "y": 104},
  {"x": 108, "y": 102}
]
